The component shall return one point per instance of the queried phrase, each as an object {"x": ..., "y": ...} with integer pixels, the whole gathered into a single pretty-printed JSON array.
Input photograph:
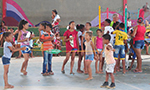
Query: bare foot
[
  {"x": 97, "y": 72},
  {"x": 89, "y": 78},
  {"x": 85, "y": 72},
  {"x": 24, "y": 72},
  {"x": 8, "y": 86},
  {"x": 147, "y": 54},
  {"x": 79, "y": 71},
  {"x": 101, "y": 72}
]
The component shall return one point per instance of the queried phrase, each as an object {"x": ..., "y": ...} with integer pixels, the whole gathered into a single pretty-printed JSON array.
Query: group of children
[{"x": 109, "y": 45}]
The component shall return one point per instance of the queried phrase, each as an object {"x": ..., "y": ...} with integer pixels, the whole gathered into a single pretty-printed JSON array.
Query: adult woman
[
  {"x": 55, "y": 22},
  {"x": 138, "y": 42}
]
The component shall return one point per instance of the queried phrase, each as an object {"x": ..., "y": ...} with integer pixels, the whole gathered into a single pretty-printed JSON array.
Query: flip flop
[{"x": 63, "y": 71}]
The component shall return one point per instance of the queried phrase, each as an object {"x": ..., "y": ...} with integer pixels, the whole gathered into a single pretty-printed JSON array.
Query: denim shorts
[
  {"x": 28, "y": 49},
  {"x": 89, "y": 57},
  {"x": 119, "y": 50},
  {"x": 5, "y": 60},
  {"x": 139, "y": 44}
]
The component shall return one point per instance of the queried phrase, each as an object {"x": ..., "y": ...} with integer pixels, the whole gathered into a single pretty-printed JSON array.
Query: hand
[
  {"x": 23, "y": 48},
  {"x": 113, "y": 50},
  {"x": 101, "y": 52},
  {"x": 95, "y": 57},
  {"x": 71, "y": 38},
  {"x": 82, "y": 53}
]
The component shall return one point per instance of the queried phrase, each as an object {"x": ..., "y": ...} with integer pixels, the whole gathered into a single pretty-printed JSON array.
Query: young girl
[
  {"x": 89, "y": 53},
  {"x": 23, "y": 25},
  {"x": 70, "y": 37},
  {"x": 99, "y": 49},
  {"x": 8, "y": 49},
  {"x": 81, "y": 46}
]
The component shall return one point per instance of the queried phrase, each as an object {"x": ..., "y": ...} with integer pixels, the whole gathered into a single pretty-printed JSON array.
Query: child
[
  {"x": 58, "y": 42},
  {"x": 120, "y": 41},
  {"x": 129, "y": 24},
  {"x": 99, "y": 49},
  {"x": 8, "y": 49},
  {"x": 70, "y": 37},
  {"x": 31, "y": 44},
  {"x": 88, "y": 27},
  {"x": 81, "y": 45},
  {"x": 47, "y": 39},
  {"x": 110, "y": 61},
  {"x": 22, "y": 37},
  {"x": 89, "y": 54}
]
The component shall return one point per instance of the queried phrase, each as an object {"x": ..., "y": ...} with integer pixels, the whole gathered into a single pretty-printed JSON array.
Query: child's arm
[
  {"x": 18, "y": 39},
  {"x": 110, "y": 48},
  {"x": 65, "y": 39},
  {"x": 15, "y": 32},
  {"x": 93, "y": 48},
  {"x": 16, "y": 49},
  {"x": 95, "y": 45}
]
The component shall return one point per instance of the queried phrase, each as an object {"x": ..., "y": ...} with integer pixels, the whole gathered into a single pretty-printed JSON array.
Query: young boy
[
  {"x": 120, "y": 41},
  {"x": 47, "y": 39},
  {"x": 110, "y": 61},
  {"x": 8, "y": 49}
]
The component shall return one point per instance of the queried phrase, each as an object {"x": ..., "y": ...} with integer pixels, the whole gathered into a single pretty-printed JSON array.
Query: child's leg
[
  {"x": 25, "y": 63},
  {"x": 124, "y": 67},
  {"x": 88, "y": 63},
  {"x": 19, "y": 51},
  {"x": 115, "y": 69},
  {"x": 65, "y": 61},
  {"x": 72, "y": 62},
  {"x": 107, "y": 77},
  {"x": 85, "y": 66},
  {"x": 96, "y": 63},
  {"x": 112, "y": 78},
  {"x": 131, "y": 64},
  {"x": 147, "y": 48},
  {"x": 79, "y": 63},
  {"x": 45, "y": 62},
  {"x": 31, "y": 54},
  {"x": 101, "y": 64},
  {"x": 7, "y": 85},
  {"x": 50, "y": 64}
]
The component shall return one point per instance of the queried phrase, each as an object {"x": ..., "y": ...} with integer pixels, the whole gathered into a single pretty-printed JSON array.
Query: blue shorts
[
  {"x": 28, "y": 49},
  {"x": 132, "y": 51},
  {"x": 5, "y": 60},
  {"x": 119, "y": 50},
  {"x": 89, "y": 57},
  {"x": 139, "y": 44},
  {"x": 74, "y": 50}
]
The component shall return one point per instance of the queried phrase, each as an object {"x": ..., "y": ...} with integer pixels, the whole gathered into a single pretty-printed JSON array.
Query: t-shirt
[
  {"x": 110, "y": 29},
  {"x": 48, "y": 44},
  {"x": 140, "y": 33},
  {"x": 55, "y": 19},
  {"x": 120, "y": 37},
  {"x": 7, "y": 51},
  {"x": 68, "y": 45},
  {"x": 141, "y": 13},
  {"x": 129, "y": 23},
  {"x": 79, "y": 35}
]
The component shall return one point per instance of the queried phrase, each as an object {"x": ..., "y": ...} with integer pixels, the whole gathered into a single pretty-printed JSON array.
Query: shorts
[
  {"x": 139, "y": 44},
  {"x": 99, "y": 50},
  {"x": 110, "y": 68},
  {"x": 74, "y": 50},
  {"x": 16, "y": 42},
  {"x": 81, "y": 48},
  {"x": 119, "y": 50},
  {"x": 28, "y": 49},
  {"x": 89, "y": 57},
  {"x": 132, "y": 51},
  {"x": 5, "y": 60}
]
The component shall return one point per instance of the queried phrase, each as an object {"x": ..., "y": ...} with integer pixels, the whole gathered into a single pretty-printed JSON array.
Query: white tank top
[{"x": 88, "y": 49}]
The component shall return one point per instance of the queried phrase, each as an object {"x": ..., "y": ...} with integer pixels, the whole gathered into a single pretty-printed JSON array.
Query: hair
[
  {"x": 99, "y": 30},
  {"x": 6, "y": 34},
  {"x": 49, "y": 25},
  {"x": 115, "y": 15},
  {"x": 70, "y": 23},
  {"x": 21, "y": 23},
  {"x": 107, "y": 37},
  {"x": 1, "y": 23},
  {"x": 89, "y": 33},
  {"x": 140, "y": 20},
  {"x": 108, "y": 21},
  {"x": 55, "y": 11},
  {"x": 89, "y": 23},
  {"x": 12, "y": 28},
  {"x": 44, "y": 24},
  {"x": 122, "y": 25},
  {"x": 129, "y": 18},
  {"x": 79, "y": 26}
]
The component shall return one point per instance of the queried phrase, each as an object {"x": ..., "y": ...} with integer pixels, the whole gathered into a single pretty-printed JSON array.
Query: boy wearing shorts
[{"x": 120, "y": 43}]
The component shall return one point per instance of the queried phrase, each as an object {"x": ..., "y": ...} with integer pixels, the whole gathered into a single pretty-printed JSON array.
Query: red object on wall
[
  {"x": 124, "y": 4},
  {"x": 4, "y": 9}
]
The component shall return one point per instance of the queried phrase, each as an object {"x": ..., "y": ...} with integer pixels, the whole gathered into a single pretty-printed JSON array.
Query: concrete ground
[{"x": 35, "y": 81}]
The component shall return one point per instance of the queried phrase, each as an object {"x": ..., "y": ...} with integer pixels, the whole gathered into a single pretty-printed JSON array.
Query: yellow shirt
[
  {"x": 147, "y": 30},
  {"x": 120, "y": 37}
]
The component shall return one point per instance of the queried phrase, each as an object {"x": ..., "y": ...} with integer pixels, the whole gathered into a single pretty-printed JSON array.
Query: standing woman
[
  {"x": 22, "y": 37},
  {"x": 3, "y": 29},
  {"x": 71, "y": 39},
  {"x": 55, "y": 22},
  {"x": 138, "y": 42}
]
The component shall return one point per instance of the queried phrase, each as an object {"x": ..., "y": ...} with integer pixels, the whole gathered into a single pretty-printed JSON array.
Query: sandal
[
  {"x": 72, "y": 73},
  {"x": 63, "y": 71}
]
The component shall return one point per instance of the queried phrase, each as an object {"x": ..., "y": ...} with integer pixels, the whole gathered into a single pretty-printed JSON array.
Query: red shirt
[
  {"x": 141, "y": 13},
  {"x": 48, "y": 44},
  {"x": 74, "y": 34},
  {"x": 139, "y": 34}
]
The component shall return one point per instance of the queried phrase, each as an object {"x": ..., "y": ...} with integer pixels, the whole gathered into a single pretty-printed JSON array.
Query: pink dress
[
  {"x": 99, "y": 43},
  {"x": 23, "y": 36},
  {"x": 109, "y": 57}
]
